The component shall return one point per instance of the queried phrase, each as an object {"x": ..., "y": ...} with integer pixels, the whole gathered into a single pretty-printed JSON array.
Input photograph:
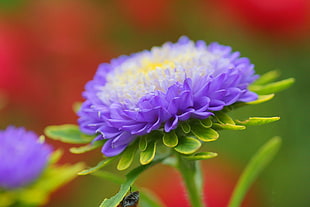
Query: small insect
[{"x": 131, "y": 200}]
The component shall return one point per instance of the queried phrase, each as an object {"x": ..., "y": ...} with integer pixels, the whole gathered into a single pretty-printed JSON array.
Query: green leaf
[
  {"x": 218, "y": 126},
  {"x": 272, "y": 87},
  {"x": 68, "y": 133},
  {"x": 206, "y": 123},
  {"x": 131, "y": 178},
  {"x": 127, "y": 157},
  {"x": 87, "y": 148},
  {"x": 52, "y": 178},
  {"x": 262, "y": 99},
  {"x": 187, "y": 145},
  {"x": 170, "y": 139},
  {"x": 223, "y": 118},
  {"x": 143, "y": 143},
  {"x": 100, "y": 165},
  {"x": 204, "y": 134},
  {"x": 254, "y": 121},
  {"x": 258, "y": 162},
  {"x": 267, "y": 78},
  {"x": 147, "y": 198},
  {"x": 7, "y": 199},
  {"x": 201, "y": 156},
  {"x": 148, "y": 155},
  {"x": 186, "y": 128}
]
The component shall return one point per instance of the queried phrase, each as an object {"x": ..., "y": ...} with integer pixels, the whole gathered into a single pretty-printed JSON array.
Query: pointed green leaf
[
  {"x": 170, "y": 139},
  {"x": 218, "y": 126},
  {"x": 267, "y": 78},
  {"x": 186, "y": 128},
  {"x": 223, "y": 118},
  {"x": 253, "y": 121},
  {"x": 131, "y": 178},
  {"x": 148, "y": 155},
  {"x": 87, "y": 148},
  {"x": 127, "y": 157},
  {"x": 100, "y": 165},
  {"x": 206, "y": 123},
  {"x": 68, "y": 133},
  {"x": 272, "y": 87},
  {"x": 201, "y": 156},
  {"x": 258, "y": 162},
  {"x": 188, "y": 145},
  {"x": 204, "y": 134},
  {"x": 262, "y": 99},
  {"x": 143, "y": 143}
]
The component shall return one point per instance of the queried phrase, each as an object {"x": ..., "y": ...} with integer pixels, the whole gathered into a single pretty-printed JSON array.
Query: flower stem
[{"x": 192, "y": 178}]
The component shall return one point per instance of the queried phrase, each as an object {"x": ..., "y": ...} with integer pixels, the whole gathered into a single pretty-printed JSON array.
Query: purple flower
[
  {"x": 155, "y": 90},
  {"x": 22, "y": 157}
]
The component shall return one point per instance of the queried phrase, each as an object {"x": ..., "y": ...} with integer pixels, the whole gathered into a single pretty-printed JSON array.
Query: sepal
[{"x": 67, "y": 133}]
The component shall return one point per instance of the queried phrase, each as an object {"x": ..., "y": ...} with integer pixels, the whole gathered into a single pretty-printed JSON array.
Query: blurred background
[{"x": 50, "y": 49}]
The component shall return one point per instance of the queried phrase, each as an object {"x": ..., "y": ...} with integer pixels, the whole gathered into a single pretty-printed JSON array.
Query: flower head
[
  {"x": 157, "y": 89},
  {"x": 22, "y": 157}
]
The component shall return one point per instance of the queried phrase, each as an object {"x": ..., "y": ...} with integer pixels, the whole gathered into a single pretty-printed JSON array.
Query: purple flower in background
[
  {"x": 157, "y": 89},
  {"x": 22, "y": 157}
]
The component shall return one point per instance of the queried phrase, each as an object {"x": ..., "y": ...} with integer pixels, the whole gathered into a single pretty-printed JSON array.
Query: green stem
[{"x": 192, "y": 178}]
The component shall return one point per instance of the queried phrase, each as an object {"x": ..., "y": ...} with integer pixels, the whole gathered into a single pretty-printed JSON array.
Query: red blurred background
[{"x": 50, "y": 49}]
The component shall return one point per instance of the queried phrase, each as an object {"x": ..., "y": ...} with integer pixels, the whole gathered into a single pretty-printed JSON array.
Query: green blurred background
[{"x": 50, "y": 49}]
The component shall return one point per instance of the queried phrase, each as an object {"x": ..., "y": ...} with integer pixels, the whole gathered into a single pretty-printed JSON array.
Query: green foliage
[
  {"x": 125, "y": 187},
  {"x": 148, "y": 155},
  {"x": 68, "y": 133},
  {"x": 268, "y": 77},
  {"x": 272, "y": 87},
  {"x": 170, "y": 139},
  {"x": 202, "y": 133},
  {"x": 147, "y": 198},
  {"x": 143, "y": 143},
  {"x": 218, "y": 126},
  {"x": 206, "y": 123},
  {"x": 187, "y": 145},
  {"x": 223, "y": 118},
  {"x": 37, "y": 193},
  {"x": 186, "y": 128},
  {"x": 258, "y": 162},
  {"x": 127, "y": 157},
  {"x": 254, "y": 121},
  {"x": 100, "y": 165},
  {"x": 87, "y": 148},
  {"x": 201, "y": 156},
  {"x": 261, "y": 99}
]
